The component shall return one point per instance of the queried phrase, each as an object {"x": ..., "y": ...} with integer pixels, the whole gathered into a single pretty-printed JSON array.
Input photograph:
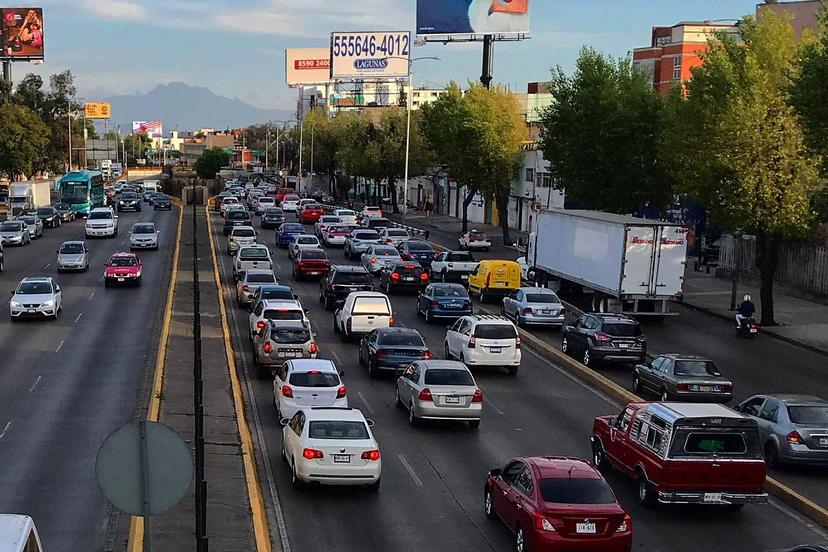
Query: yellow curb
[
  {"x": 135, "y": 542},
  {"x": 257, "y": 507}
]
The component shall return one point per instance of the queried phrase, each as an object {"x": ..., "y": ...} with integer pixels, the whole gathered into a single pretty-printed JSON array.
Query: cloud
[{"x": 114, "y": 9}]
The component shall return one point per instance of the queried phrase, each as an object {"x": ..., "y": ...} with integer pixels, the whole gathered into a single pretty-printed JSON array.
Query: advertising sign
[
  {"x": 152, "y": 128},
  {"x": 370, "y": 55},
  {"x": 21, "y": 33},
  {"x": 307, "y": 66},
  {"x": 464, "y": 17},
  {"x": 97, "y": 110}
]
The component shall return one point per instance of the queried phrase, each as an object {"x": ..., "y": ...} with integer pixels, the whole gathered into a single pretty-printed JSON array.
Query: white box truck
[
  {"x": 26, "y": 196},
  {"x": 627, "y": 264}
]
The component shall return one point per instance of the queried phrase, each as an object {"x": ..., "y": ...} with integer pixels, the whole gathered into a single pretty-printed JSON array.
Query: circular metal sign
[{"x": 144, "y": 460}]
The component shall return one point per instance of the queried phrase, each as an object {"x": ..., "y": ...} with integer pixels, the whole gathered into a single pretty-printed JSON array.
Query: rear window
[
  {"x": 274, "y": 211},
  {"x": 397, "y": 233},
  {"x": 353, "y": 278},
  {"x": 402, "y": 338},
  {"x": 290, "y": 334},
  {"x": 707, "y": 443},
  {"x": 494, "y": 331},
  {"x": 438, "y": 376},
  {"x": 623, "y": 330},
  {"x": 338, "y": 229},
  {"x": 282, "y": 314},
  {"x": 378, "y": 223},
  {"x": 549, "y": 298},
  {"x": 337, "y": 429},
  {"x": 366, "y": 236},
  {"x": 409, "y": 270},
  {"x": 451, "y": 292},
  {"x": 244, "y": 232},
  {"x": 314, "y": 379},
  {"x": 343, "y": 213},
  {"x": 372, "y": 305},
  {"x": 278, "y": 294},
  {"x": 253, "y": 253},
  {"x": 699, "y": 368},
  {"x": 11, "y": 227},
  {"x": 576, "y": 490},
  {"x": 261, "y": 278},
  {"x": 313, "y": 254},
  {"x": 266, "y": 200},
  {"x": 386, "y": 251},
  {"x": 238, "y": 215},
  {"x": 461, "y": 257},
  {"x": 419, "y": 246},
  {"x": 291, "y": 198},
  {"x": 307, "y": 240},
  {"x": 293, "y": 228},
  {"x": 817, "y": 415}
]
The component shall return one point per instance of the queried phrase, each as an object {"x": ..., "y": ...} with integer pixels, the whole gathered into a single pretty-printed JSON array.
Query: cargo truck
[
  {"x": 27, "y": 196},
  {"x": 626, "y": 264}
]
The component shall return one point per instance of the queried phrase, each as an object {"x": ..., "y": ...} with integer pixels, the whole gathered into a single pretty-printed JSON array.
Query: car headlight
[
  {"x": 49, "y": 303},
  {"x": 15, "y": 304}
]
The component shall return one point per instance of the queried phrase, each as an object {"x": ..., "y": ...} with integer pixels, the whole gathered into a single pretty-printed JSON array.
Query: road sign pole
[
  {"x": 488, "y": 46},
  {"x": 145, "y": 499}
]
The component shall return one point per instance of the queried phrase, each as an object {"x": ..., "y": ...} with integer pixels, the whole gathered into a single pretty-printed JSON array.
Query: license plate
[
  {"x": 342, "y": 458},
  {"x": 495, "y": 349},
  {"x": 712, "y": 497},
  {"x": 706, "y": 388},
  {"x": 499, "y": 284},
  {"x": 120, "y": 279},
  {"x": 464, "y": 276},
  {"x": 31, "y": 311},
  {"x": 823, "y": 441},
  {"x": 409, "y": 278},
  {"x": 546, "y": 312},
  {"x": 753, "y": 330},
  {"x": 585, "y": 528},
  {"x": 452, "y": 400},
  {"x": 624, "y": 345}
]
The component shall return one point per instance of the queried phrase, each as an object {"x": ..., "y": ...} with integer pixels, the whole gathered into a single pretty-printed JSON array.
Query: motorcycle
[{"x": 749, "y": 328}]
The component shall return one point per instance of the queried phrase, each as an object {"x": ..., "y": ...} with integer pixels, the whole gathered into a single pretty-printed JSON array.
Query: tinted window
[
  {"x": 131, "y": 196},
  {"x": 450, "y": 291},
  {"x": 353, "y": 278},
  {"x": 715, "y": 443},
  {"x": 460, "y": 257},
  {"x": 306, "y": 240},
  {"x": 437, "y": 376},
  {"x": 313, "y": 254},
  {"x": 288, "y": 334},
  {"x": 238, "y": 215},
  {"x": 253, "y": 253},
  {"x": 397, "y": 233},
  {"x": 338, "y": 229},
  {"x": 549, "y": 298},
  {"x": 100, "y": 215},
  {"x": 371, "y": 305},
  {"x": 623, "y": 330},
  {"x": 401, "y": 338},
  {"x": 123, "y": 261},
  {"x": 817, "y": 415},
  {"x": 274, "y": 211},
  {"x": 34, "y": 288},
  {"x": 277, "y": 294},
  {"x": 337, "y": 430},
  {"x": 11, "y": 227},
  {"x": 314, "y": 379},
  {"x": 576, "y": 490},
  {"x": 386, "y": 251},
  {"x": 345, "y": 213},
  {"x": 143, "y": 229},
  {"x": 261, "y": 278},
  {"x": 244, "y": 232},
  {"x": 419, "y": 246},
  {"x": 366, "y": 236},
  {"x": 282, "y": 314},
  {"x": 45, "y": 211},
  {"x": 408, "y": 269},
  {"x": 494, "y": 331},
  {"x": 699, "y": 368}
]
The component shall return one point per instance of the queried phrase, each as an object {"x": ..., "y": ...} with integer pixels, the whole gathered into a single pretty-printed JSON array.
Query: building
[
  {"x": 804, "y": 14},
  {"x": 675, "y": 51},
  {"x": 362, "y": 95},
  {"x": 193, "y": 148}
]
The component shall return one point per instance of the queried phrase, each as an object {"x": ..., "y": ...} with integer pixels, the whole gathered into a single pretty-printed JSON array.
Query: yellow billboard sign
[{"x": 97, "y": 110}]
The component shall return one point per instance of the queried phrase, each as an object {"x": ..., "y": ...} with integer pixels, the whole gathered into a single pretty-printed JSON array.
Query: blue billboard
[{"x": 465, "y": 17}]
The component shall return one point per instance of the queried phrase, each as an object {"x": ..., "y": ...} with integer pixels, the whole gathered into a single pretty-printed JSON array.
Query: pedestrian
[{"x": 428, "y": 208}]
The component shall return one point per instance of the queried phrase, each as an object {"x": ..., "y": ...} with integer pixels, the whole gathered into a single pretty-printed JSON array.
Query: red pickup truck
[{"x": 684, "y": 453}]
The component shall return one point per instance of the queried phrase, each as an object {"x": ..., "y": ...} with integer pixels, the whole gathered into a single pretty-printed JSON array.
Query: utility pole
[
  {"x": 69, "y": 120},
  {"x": 301, "y": 147},
  {"x": 408, "y": 95},
  {"x": 488, "y": 48},
  {"x": 267, "y": 146}
]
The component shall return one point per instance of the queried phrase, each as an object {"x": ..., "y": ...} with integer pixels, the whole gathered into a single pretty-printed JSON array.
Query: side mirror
[
  {"x": 11, "y": 292},
  {"x": 369, "y": 422},
  {"x": 307, "y": 311},
  {"x": 449, "y": 327},
  {"x": 284, "y": 421},
  {"x": 342, "y": 373},
  {"x": 57, "y": 250},
  {"x": 315, "y": 335},
  {"x": 106, "y": 265},
  {"x": 495, "y": 472}
]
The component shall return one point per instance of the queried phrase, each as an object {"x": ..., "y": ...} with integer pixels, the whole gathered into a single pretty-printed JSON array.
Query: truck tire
[
  {"x": 599, "y": 458},
  {"x": 646, "y": 494}
]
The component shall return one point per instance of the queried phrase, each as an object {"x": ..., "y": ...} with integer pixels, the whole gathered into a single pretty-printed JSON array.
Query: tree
[
  {"x": 810, "y": 88},
  {"x": 601, "y": 135},
  {"x": 742, "y": 150},
  {"x": 136, "y": 145},
  {"x": 210, "y": 162},
  {"x": 23, "y": 140}
]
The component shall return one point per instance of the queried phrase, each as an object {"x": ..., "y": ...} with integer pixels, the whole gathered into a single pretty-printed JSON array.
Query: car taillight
[
  {"x": 391, "y": 321},
  {"x": 435, "y": 304},
  {"x": 371, "y": 455},
  {"x": 543, "y": 524},
  {"x": 267, "y": 347},
  {"x": 314, "y": 348},
  {"x": 598, "y": 336},
  {"x": 527, "y": 310},
  {"x": 245, "y": 288},
  {"x": 426, "y": 354},
  {"x": 260, "y": 324},
  {"x": 395, "y": 276},
  {"x": 727, "y": 388},
  {"x": 425, "y": 395},
  {"x": 683, "y": 386},
  {"x": 312, "y": 454},
  {"x": 478, "y": 396},
  {"x": 287, "y": 391},
  {"x": 471, "y": 341},
  {"x": 348, "y": 324},
  {"x": 382, "y": 354},
  {"x": 625, "y": 525},
  {"x": 795, "y": 438},
  {"x": 423, "y": 276},
  {"x": 754, "y": 326},
  {"x": 341, "y": 392},
  {"x": 373, "y": 260},
  {"x": 517, "y": 342}
]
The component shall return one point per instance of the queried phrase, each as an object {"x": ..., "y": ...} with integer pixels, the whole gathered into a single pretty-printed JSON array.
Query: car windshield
[
  {"x": 337, "y": 429},
  {"x": 345, "y": 214},
  {"x": 352, "y": 278},
  {"x": 100, "y": 215},
  {"x": 28, "y": 219},
  {"x": 386, "y": 251},
  {"x": 330, "y": 219},
  {"x": 244, "y": 233},
  {"x": 419, "y": 246},
  {"x": 700, "y": 368},
  {"x": 45, "y": 211},
  {"x": 71, "y": 249},
  {"x": 266, "y": 200},
  {"x": 441, "y": 376},
  {"x": 123, "y": 261},
  {"x": 366, "y": 236},
  {"x": 411, "y": 338},
  {"x": 458, "y": 291},
  {"x": 494, "y": 331},
  {"x": 372, "y": 305},
  {"x": 548, "y": 298},
  {"x": 11, "y": 227},
  {"x": 576, "y": 490},
  {"x": 623, "y": 330},
  {"x": 313, "y": 254},
  {"x": 260, "y": 278},
  {"x": 314, "y": 378},
  {"x": 34, "y": 288},
  {"x": 253, "y": 253},
  {"x": 130, "y": 196},
  {"x": 809, "y": 415},
  {"x": 291, "y": 198},
  {"x": 283, "y": 314},
  {"x": 460, "y": 257},
  {"x": 143, "y": 229},
  {"x": 229, "y": 201},
  {"x": 290, "y": 334}
]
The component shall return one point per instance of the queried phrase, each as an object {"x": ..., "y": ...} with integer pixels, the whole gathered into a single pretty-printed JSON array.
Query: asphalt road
[
  {"x": 66, "y": 384},
  {"x": 431, "y": 496},
  {"x": 760, "y": 365}
]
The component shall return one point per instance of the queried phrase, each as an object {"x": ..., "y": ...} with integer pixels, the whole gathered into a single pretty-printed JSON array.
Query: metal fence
[{"x": 803, "y": 267}]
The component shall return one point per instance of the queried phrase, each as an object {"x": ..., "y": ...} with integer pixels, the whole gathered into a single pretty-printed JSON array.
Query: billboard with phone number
[
  {"x": 383, "y": 55},
  {"x": 21, "y": 33},
  {"x": 468, "y": 17},
  {"x": 307, "y": 66}
]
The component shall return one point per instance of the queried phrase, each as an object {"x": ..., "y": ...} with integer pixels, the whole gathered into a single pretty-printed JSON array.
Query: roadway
[
  {"x": 66, "y": 384},
  {"x": 431, "y": 496}
]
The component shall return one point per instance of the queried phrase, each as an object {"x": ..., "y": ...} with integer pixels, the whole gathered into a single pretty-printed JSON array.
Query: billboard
[
  {"x": 382, "y": 55},
  {"x": 97, "y": 110},
  {"x": 152, "y": 128},
  {"x": 307, "y": 66},
  {"x": 21, "y": 33},
  {"x": 459, "y": 17}
]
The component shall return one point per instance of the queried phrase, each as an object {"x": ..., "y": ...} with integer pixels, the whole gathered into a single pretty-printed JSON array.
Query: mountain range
[{"x": 186, "y": 107}]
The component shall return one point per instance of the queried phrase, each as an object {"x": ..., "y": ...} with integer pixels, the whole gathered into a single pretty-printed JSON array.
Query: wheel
[
  {"x": 646, "y": 495},
  {"x": 513, "y": 370},
  {"x": 428, "y": 316},
  {"x": 665, "y": 395},
  {"x": 488, "y": 505},
  {"x": 447, "y": 353},
  {"x": 373, "y": 371},
  {"x": 294, "y": 479},
  {"x": 565, "y": 345},
  {"x": 587, "y": 358},
  {"x": 636, "y": 386},
  {"x": 474, "y": 424},
  {"x": 360, "y": 358},
  {"x": 375, "y": 486},
  {"x": 328, "y": 304},
  {"x": 520, "y": 542},
  {"x": 397, "y": 402},
  {"x": 412, "y": 418},
  {"x": 771, "y": 453},
  {"x": 599, "y": 459}
]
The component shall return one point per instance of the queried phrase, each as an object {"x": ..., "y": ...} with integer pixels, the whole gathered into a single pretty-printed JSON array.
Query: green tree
[
  {"x": 810, "y": 88},
  {"x": 136, "y": 145},
  {"x": 601, "y": 135},
  {"x": 210, "y": 162},
  {"x": 739, "y": 147},
  {"x": 23, "y": 140}
]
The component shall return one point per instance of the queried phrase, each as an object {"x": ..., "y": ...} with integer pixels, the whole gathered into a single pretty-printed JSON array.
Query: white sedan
[
  {"x": 143, "y": 235},
  {"x": 303, "y": 241},
  {"x": 331, "y": 446},
  {"x": 347, "y": 216},
  {"x": 475, "y": 239}
]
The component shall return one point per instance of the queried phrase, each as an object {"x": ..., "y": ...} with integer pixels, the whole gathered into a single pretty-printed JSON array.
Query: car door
[
  {"x": 502, "y": 488},
  {"x": 451, "y": 335},
  {"x": 294, "y": 436},
  {"x": 510, "y": 302},
  {"x": 412, "y": 381},
  {"x": 58, "y": 295},
  {"x": 522, "y": 498},
  {"x": 581, "y": 332},
  {"x": 661, "y": 376},
  {"x": 423, "y": 299},
  {"x": 370, "y": 346},
  {"x": 769, "y": 419},
  {"x": 647, "y": 373},
  {"x": 255, "y": 316}
]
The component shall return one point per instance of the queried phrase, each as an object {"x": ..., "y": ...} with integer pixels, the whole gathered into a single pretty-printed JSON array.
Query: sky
[{"x": 236, "y": 47}]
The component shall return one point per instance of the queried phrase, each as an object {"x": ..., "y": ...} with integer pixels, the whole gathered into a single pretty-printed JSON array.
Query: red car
[
  {"x": 310, "y": 263},
  {"x": 123, "y": 268},
  {"x": 553, "y": 504},
  {"x": 310, "y": 213},
  {"x": 282, "y": 192}
]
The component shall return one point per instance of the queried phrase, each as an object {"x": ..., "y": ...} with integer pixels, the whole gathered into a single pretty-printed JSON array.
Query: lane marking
[
  {"x": 5, "y": 429},
  {"x": 410, "y": 470},
  {"x": 489, "y": 402},
  {"x": 367, "y": 404},
  {"x": 91, "y": 295},
  {"x": 47, "y": 266},
  {"x": 62, "y": 341},
  {"x": 337, "y": 359},
  {"x": 32, "y": 388},
  {"x": 78, "y": 317}
]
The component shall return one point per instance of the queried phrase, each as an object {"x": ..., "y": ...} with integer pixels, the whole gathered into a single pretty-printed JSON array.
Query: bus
[{"x": 82, "y": 191}]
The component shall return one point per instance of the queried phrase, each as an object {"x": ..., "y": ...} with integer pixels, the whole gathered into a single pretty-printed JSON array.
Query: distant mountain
[{"x": 188, "y": 108}]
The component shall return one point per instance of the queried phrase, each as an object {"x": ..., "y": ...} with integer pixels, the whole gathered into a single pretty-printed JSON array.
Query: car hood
[
  {"x": 143, "y": 237},
  {"x": 118, "y": 270},
  {"x": 70, "y": 257},
  {"x": 30, "y": 299},
  {"x": 19, "y": 234}
]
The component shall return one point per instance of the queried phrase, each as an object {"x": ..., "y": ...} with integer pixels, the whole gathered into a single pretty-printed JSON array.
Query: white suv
[
  {"x": 101, "y": 222},
  {"x": 362, "y": 313},
  {"x": 36, "y": 298},
  {"x": 306, "y": 382},
  {"x": 484, "y": 341}
]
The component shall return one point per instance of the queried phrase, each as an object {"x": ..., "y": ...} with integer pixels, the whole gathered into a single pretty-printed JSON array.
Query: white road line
[
  {"x": 78, "y": 317},
  {"x": 489, "y": 403},
  {"x": 62, "y": 341},
  {"x": 573, "y": 379},
  {"x": 337, "y": 359},
  {"x": 410, "y": 470},
  {"x": 37, "y": 381},
  {"x": 367, "y": 404},
  {"x": 91, "y": 295},
  {"x": 5, "y": 429},
  {"x": 47, "y": 266}
]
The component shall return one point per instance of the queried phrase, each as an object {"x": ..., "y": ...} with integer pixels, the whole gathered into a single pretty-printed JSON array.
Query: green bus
[{"x": 82, "y": 191}]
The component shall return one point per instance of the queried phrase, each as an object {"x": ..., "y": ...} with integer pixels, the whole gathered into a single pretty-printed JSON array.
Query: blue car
[
  {"x": 285, "y": 233},
  {"x": 392, "y": 350},
  {"x": 444, "y": 300}
]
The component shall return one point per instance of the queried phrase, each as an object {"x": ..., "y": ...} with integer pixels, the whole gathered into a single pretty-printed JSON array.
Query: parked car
[
  {"x": 532, "y": 306},
  {"x": 15, "y": 232},
  {"x": 144, "y": 235},
  {"x": 400, "y": 276},
  {"x": 249, "y": 257},
  {"x": 444, "y": 300},
  {"x": 452, "y": 266},
  {"x": 341, "y": 281},
  {"x": 324, "y": 222},
  {"x": 36, "y": 297},
  {"x": 475, "y": 239},
  {"x": 557, "y": 503},
  {"x": 336, "y": 234},
  {"x": 392, "y": 349},
  {"x": 302, "y": 383},
  {"x": 129, "y": 201},
  {"x": 285, "y": 233},
  {"x": 683, "y": 453},
  {"x": 49, "y": 216},
  {"x": 249, "y": 280},
  {"x": 494, "y": 278},
  {"x": 347, "y": 216},
  {"x": 273, "y": 217},
  {"x": 417, "y": 250},
  {"x": 73, "y": 255},
  {"x": 34, "y": 225},
  {"x": 484, "y": 340},
  {"x": 161, "y": 201},
  {"x": 683, "y": 378},
  {"x": 359, "y": 241},
  {"x": 363, "y": 312},
  {"x": 309, "y": 263},
  {"x": 793, "y": 428},
  {"x": 377, "y": 257},
  {"x": 394, "y": 236},
  {"x": 239, "y": 236},
  {"x": 598, "y": 337},
  {"x": 236, "y": 217},
  {"x": 123, "y": 268},
  {"x": 281, "y": 340},
  {"x": 331, "y": 446},
  {"x": 302, "y": 241}
]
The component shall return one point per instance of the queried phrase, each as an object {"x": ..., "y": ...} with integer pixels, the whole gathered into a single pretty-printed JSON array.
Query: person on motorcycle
[{"x": 744, "y": 311}]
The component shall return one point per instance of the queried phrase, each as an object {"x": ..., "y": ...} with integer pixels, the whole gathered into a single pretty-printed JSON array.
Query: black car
[
  {"x": 417, "y": 250},
  {"x": 65, "y": 211},
  {"x": 237, "y": 217},
  {"x": 273, "y": 217},
  {"x": 392, "y": 349},
  {"x": 49, "y": 216},
  {"x": 129, "y": 201},
  {"x": 605, "y": 337},
  {"x": 342, "y": 280},
  {"x": 162, "y": 201},
  {"x": 403, "y": 276}
]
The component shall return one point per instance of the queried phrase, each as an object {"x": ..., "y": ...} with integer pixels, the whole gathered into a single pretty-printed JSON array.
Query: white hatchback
[
  {"x": 303, "y": 383},
  {"x": 484, "y": 340}
]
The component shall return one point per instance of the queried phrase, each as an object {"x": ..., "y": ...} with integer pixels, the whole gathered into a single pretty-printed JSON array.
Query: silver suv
[
  {"x": 282, "y": 340},
  {"x": 484, "y": 340}
]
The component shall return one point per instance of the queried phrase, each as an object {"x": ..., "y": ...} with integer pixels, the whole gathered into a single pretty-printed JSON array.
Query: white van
[
  {"x": 152, "y": 186},
  {"x": 18, "y": 534}
]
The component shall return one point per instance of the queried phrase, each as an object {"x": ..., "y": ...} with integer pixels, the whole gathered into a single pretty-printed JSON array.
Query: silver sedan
[
  {"x": 249, "y": 281},
  {"x": 376, "y": 257},
  {"x": 534, "y": 306},
  {"x": 439, "y": 390}
]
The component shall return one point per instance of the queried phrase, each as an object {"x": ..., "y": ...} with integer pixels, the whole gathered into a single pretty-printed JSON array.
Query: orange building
[{"x": 675, "y": 50}]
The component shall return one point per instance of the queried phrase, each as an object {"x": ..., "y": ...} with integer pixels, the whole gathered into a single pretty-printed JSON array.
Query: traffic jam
[{"x": 683, "y": 443}]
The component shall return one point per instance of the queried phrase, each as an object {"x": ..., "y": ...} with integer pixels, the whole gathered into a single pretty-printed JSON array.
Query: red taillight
[
  {"x": 427, "y": 354},
  {"x": 391, "y": 321},
  {"x": 287, "y": 391},
  {"x": 314, "y": 348},
  {"x": 626, "y": 525},
  {"x": 435, "y": 304},
  {"x": 727, "y": 388},
  {"x": 542, "y": 524},
  {"x": 527, "y": 310},
  {"x": 245, "y": 288},
  {"x": 754, "y": 326},
  {"x": 373, "y": 260},
  {"x": 683, "y": 386},
  {"x": 598, "y": 336},
  {"x": 425, "y": 395},
  {"x": 267, "y": 347},
  {"x": 260, "y": 324},
  {"x": 423, "y": 276},
  {"x": 471, "y": 341},
  {"x": 395, "y": 276},
  {"x": 795, "y": 438},
  {"x": 382, "y": 354},
  {"x": 371, "y": 455},
  {"x": 478, "y": 396},
  {"x": 517, "y": 342},
  {"x": 341, "y": 392},
  {"x": 312, "y": 454}
]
